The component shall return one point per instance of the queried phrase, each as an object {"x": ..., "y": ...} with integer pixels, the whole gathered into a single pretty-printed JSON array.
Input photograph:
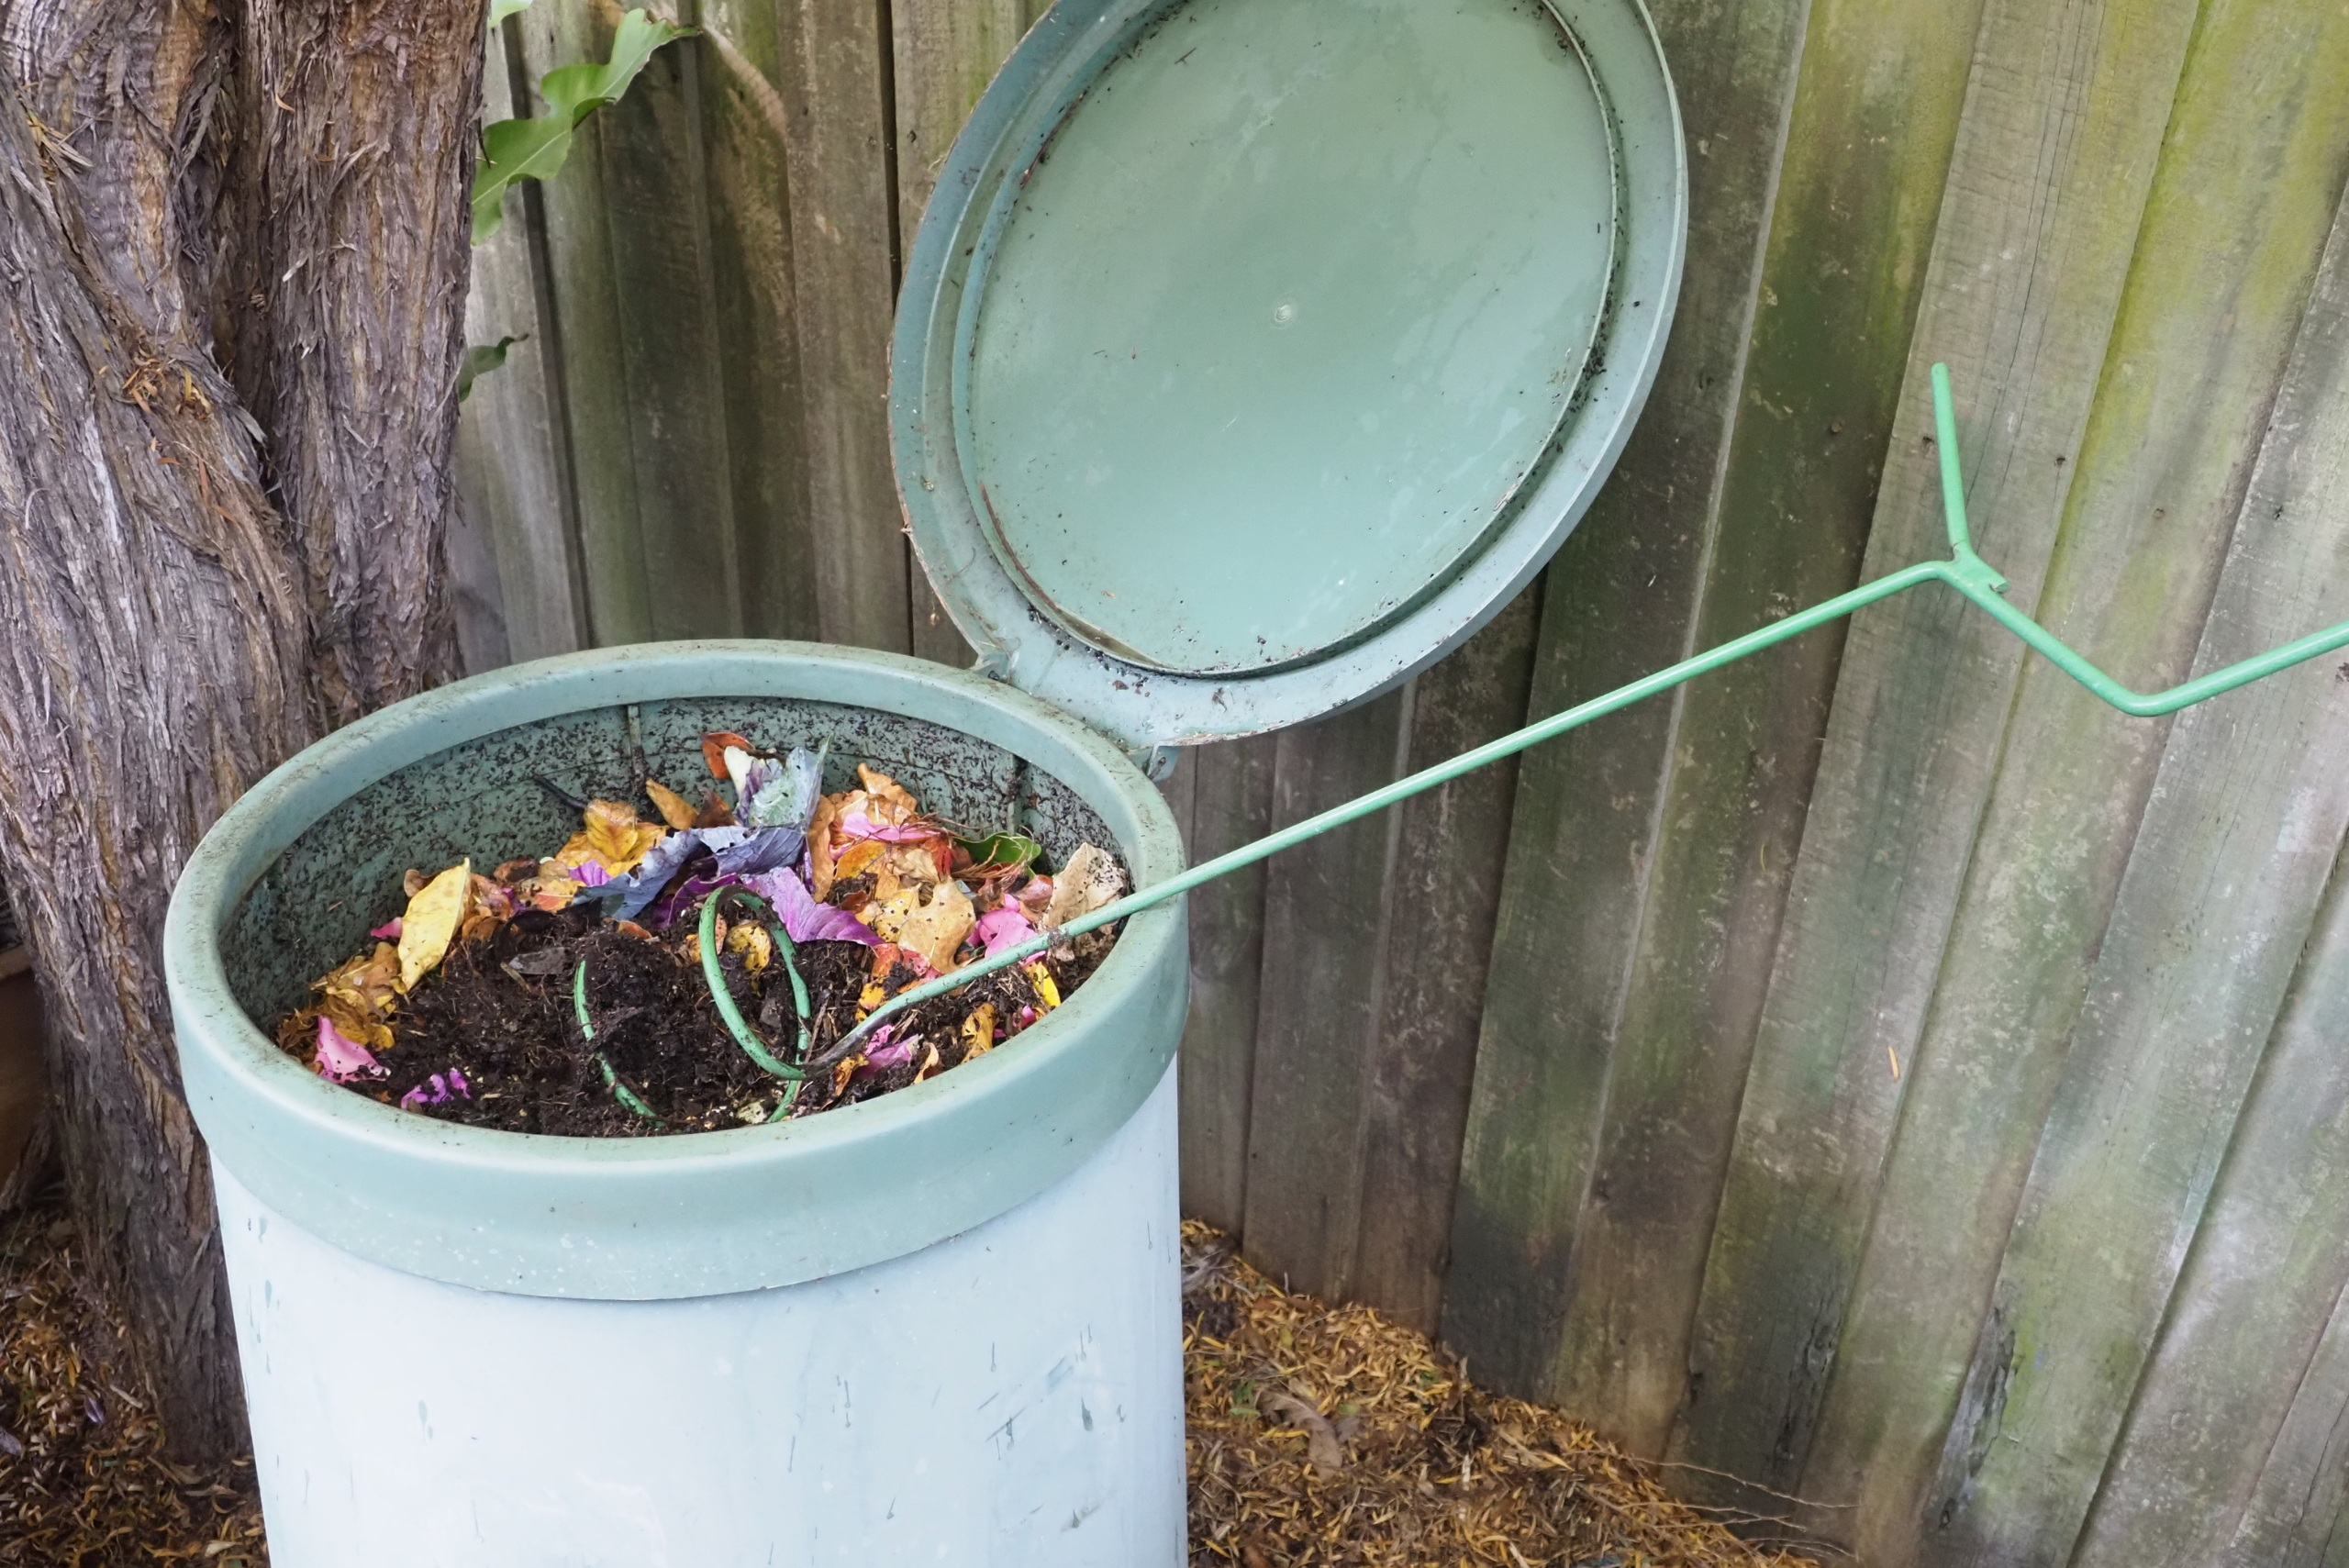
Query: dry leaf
[
  {"x": 618, "y": 840},
  {"x": 894, "y": 802},
  {"x": 929, "y": 1063},
  {"x": 1321, "y": 1445},
  {"x": 713, "y": 750},
  {"x": 1041, "y": 978},
  {"x": 714, "y": 812},
  {"x": 979, "y": 1031},
  {"x": 820, "y": 874},
  {"x": 857, "y": 858},
  {"x": 431, "y": 921},
  {"x": 751, "y": 940},
  {"x": 674, "y": 808},
  {"x": 1090, "y": 879},
  {"x": 934, "y": 930}
]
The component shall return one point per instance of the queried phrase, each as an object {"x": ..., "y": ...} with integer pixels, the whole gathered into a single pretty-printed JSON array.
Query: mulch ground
[
  {"x": 1319, "y": 1436},
  {"x": 84, "y": 1482}
]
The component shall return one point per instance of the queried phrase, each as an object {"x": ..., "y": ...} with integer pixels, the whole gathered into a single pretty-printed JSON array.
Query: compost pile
[
  {"x": 83, "y": 1477},
  {"x": 700, "y": 972},
  {"x": 1326, "y": 1437}
]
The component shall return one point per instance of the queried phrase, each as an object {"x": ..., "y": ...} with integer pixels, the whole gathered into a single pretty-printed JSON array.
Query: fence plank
[
  {"x": 1230, "y": 804},
  {"x": 947, "y": 53},
  {"x": 513, "y": 455},
  {"x": 1618, "y": 601},
  {"x": 585, "y": 294},
  {"x": 656, "y": 207},
  {"x": 2269, "y": 1260},
  {"x": 751, "y": 247},
  {"x": 843, "y": 228},
  {"x": 1324, "y": 966},
  {"x": 1876, "y": 122},
  {"x": 2030, "y": 255},
  {"x": 1441, "y": 900},
  {"x": 2240, "y": 827}
]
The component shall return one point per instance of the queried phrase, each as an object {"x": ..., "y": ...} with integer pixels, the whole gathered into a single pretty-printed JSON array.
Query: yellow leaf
[
  {"x": 674, "y": 808},
  {"x": 431, "y": 922},
  {"x": 1042, "y": 978},
  {"x": 857, "y": 858},
  {"x": 934, "y": 930},
  {"x": 979, "y": 1031},
  {"x": 615, "y": 835},
  {"x": 929, "y": 1063},
  {"x": 753, "y": 943}
]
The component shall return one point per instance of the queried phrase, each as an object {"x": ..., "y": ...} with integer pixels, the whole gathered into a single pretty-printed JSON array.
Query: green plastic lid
[{"x": 1254, "y": 352}]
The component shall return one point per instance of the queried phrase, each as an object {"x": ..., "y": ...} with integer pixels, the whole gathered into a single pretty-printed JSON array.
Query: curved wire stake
[{"x": 1964, "y": 571}]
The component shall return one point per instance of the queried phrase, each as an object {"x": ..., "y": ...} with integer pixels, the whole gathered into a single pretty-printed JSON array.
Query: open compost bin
[{"x": 1252, "y": 355}]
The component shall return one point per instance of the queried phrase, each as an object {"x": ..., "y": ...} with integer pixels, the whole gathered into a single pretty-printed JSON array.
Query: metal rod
[{"x": 1964, "y": 570}]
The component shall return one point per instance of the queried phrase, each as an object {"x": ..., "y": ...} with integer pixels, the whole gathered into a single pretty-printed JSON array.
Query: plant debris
[
  {"x": 83, "y": 1477},
  {"x": 1326, "y": 1437},
  {"x": 688, "y": 973},
  {"x": 1415, "y": 1467}
]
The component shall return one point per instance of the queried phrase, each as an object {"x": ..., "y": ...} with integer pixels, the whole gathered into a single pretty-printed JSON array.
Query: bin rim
[{"x": 693, "y": 1214}]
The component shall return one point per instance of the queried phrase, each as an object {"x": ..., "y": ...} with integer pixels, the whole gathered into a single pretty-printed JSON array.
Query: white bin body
[{"x": 1010, "y": 1396}]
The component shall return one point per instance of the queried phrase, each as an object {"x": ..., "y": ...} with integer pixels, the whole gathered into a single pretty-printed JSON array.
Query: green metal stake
[{"x": 1964, "y": 570}]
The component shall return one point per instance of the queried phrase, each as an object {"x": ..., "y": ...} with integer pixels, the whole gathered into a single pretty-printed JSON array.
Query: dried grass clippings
[
  {"x": 1326, "y": 1437},
  {"x": 84, "y": 1482}
]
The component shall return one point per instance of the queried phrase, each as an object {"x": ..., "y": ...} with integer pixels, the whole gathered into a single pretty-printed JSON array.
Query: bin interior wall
[{"x": 342, "y": 876}]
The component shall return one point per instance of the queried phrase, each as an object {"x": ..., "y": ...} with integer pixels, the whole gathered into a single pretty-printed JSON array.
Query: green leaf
[
  {"x": 501, "y": 9},
  {"x": 482, "y": 359},
  {"x": 1000, "y": 849},
  {"x": 535, "y": 149}
]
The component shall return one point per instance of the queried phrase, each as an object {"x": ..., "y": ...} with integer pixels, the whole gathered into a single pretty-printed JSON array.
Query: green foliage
[
  {"x": 482, "y": 358},
  {"x": 501, "y": 9},
  {"x": 535, "y": 149}
]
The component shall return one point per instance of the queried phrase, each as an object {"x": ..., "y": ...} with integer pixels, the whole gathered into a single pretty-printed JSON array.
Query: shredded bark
[
  {"x": 1326, "y": 1437},
  {"x": 1320, "y": 1437},
  {"x": 84, "y": 1480}
]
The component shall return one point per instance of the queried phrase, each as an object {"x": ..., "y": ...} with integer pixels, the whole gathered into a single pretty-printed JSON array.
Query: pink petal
[
  {"x": 855, "y": 824},
  {"x": 341, "y": 1059},
  {"x": 389, "y": 931},
  {"x": 1005, "y": 927}
]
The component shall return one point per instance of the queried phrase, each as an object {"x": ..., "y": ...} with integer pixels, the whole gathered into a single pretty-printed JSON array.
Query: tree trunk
[{"x": 233, "y": 262}]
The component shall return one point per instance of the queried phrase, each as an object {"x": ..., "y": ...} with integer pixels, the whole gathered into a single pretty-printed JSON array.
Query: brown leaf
[
  {"x": 1321, "y": 1446},
  {"x": 820, "y": 875},
  {"x": 887, "y": 799},
  {"x": 674, "y": 808},
  {"x": 714, "y": 812},
  {"x": 1090, "y": 879},
  {"x": 713, "y": 750}
]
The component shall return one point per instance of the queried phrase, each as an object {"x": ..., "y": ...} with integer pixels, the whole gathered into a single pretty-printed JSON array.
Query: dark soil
[{"x": 501, "y": 1011}]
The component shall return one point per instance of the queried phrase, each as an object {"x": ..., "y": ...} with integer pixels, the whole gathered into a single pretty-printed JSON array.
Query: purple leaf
[
  {"x": 804, "y": 920},
  {"x": 341, "y": 1059},
  {"x": 738, "y": 850},
  {"x": 591, "y": 873}
]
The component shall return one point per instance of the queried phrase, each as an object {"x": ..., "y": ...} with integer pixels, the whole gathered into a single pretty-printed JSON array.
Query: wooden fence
[{"x": 1878, "y": 1073}]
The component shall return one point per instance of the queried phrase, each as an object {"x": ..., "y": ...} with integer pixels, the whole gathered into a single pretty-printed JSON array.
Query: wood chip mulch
[
  {"x": 84, "y": 1482},
  {"x": 1320, "y": 1437},
  {"x": 1326, "y": 1437}
]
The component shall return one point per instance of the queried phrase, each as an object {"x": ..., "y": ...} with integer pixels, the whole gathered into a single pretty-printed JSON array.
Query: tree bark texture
[{"x": 232, "y": 268}]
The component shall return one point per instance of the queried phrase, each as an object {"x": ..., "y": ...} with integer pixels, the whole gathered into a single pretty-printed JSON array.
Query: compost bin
[{"x": 1252, "y": 355}]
